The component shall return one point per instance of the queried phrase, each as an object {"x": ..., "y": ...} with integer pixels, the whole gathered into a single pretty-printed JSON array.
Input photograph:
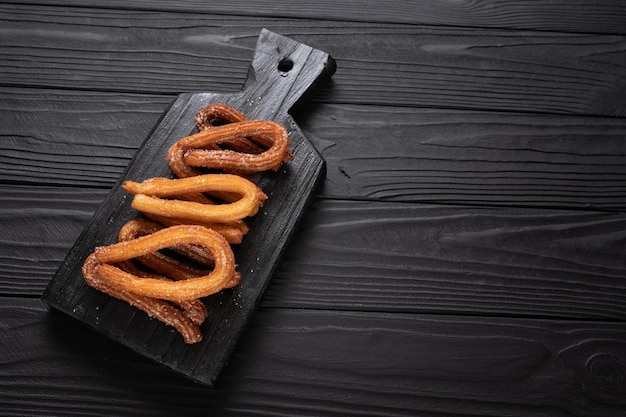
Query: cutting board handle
[{"x": 281, "y": 75}]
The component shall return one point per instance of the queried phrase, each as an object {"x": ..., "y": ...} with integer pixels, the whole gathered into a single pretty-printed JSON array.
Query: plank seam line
[{"x": 328, "y": 19}]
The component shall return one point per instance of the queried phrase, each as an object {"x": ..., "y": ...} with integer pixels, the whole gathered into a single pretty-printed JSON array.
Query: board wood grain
[
  {"x": 39, "y": 225},
  {"x": 469, "y": 157},
  {"x": 313, "y": 362},
  {"x": 456, "y": 260},
  {"x": 86, "y": 139},
  {"x": 396, "y": 257},
  {"x": 70, "y": 137},
  {"x": 385, "y": 64},
  {"x": 604, "y": 16}
]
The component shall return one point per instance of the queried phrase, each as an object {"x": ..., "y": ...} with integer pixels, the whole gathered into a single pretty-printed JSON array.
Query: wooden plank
[
  {"x": 466, "y": 157},
  {"x": 378, "y": 63},
  {"x": 603, "y": 16},
  {"x": 456, "y": 260},
  {"x": 39, "y": 225},
  {"x": 428, "y": 155},
  {"x": 67, "y": 137},
  {"x": 381, "y": 256},
  {"x": 307, "y": 362}
]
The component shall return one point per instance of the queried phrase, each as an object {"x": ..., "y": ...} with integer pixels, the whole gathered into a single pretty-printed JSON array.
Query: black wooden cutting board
[{"x": 282, "y": 74}]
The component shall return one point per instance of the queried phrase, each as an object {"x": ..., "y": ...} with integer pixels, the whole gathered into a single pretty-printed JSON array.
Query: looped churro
[
  {"x": 220, "y": 112},
  {"x": 187, "y": 289},
  {"x": 164, "y": 264},
  {"x": 195, "y": 310},
  {"x": 200, "y": 258},
  {"x": 148, "y": 197},
  {"x": 108, "y": 270},
  {"x": 263, "y": 133},
  {"x": 158, "y": 309},
  {"x": 241, "y": 147}
]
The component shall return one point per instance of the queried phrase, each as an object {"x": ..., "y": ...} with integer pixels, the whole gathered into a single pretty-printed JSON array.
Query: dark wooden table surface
[{"x": 466, "y": 256}]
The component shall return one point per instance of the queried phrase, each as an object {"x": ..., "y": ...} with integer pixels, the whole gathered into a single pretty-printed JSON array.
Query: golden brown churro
[
  {"x": 148, "y": 197},
  {"x": 241, "y": 146},
  {"x": 181, "y": 252}
]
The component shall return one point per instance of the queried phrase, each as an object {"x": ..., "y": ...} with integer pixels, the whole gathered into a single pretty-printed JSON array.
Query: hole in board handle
[{"x": 284, "y": 66}]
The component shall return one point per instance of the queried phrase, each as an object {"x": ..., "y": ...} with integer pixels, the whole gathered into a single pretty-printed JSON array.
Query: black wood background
[{"x": 466, "y": 256}]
